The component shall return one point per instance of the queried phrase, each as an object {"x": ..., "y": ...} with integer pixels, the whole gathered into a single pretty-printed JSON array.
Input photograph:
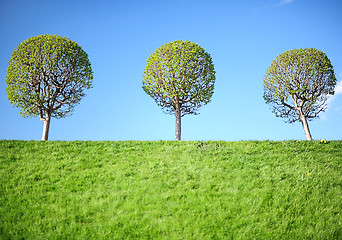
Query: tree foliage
[
  {"x": 298, "y": 84},
  {"x": 180, "y": 74},
  {"x": 47, "y": 75},
  {"x": 180, "y": 77}
]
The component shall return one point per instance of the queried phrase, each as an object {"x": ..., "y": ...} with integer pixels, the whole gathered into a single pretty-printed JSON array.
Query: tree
[
  {"x": 46, "y": 77},
  {"x": 180, "y": 77},
  {"x": 298, "y": 84}
]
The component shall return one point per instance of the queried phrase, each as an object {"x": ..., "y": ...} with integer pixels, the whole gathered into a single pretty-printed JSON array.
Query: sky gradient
[{"x": 242, "y": 37}]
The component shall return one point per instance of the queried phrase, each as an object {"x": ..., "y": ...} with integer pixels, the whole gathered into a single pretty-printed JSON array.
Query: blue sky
[{"x": 243, "y": 37}]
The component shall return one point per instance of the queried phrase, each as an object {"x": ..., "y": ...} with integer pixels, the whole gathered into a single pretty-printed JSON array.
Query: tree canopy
[
  {"x": 298, "y": 84},
  {"x": 46, "y": 77},
  {"x": 180, "y": 77}
]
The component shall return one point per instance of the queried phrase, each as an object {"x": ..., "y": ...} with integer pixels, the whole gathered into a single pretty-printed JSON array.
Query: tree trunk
[
  {"x": 178, "y": 124},
  {"x": 46, "y": 128},
  {"x": 302, "y": 118},
  {"x": 306, "y": 127}
]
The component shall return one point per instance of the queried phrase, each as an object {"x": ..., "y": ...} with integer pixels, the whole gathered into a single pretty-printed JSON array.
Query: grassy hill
[{"x": 170, "y": 190}]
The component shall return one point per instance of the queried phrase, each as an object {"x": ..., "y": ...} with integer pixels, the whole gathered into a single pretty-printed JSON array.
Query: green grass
[{"x": 170, "y": 190}]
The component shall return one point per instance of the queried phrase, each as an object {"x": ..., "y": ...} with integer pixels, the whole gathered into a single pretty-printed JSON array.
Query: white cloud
[
  {"x": 277, "y": 4},
  {"x": 338, "y": 88},
  {"x": 283, "y": 2},
  {"x": 331, "y": 99}
]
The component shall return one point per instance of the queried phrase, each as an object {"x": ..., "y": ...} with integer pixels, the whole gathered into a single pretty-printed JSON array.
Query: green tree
[
  {"x": 180, "y": 77},
  {"x": 298, "y": 84},
  {"x": 46, "y": 77}
]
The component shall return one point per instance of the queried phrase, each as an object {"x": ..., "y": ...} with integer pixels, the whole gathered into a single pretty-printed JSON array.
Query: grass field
[{"x": 170, "y": 190}]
